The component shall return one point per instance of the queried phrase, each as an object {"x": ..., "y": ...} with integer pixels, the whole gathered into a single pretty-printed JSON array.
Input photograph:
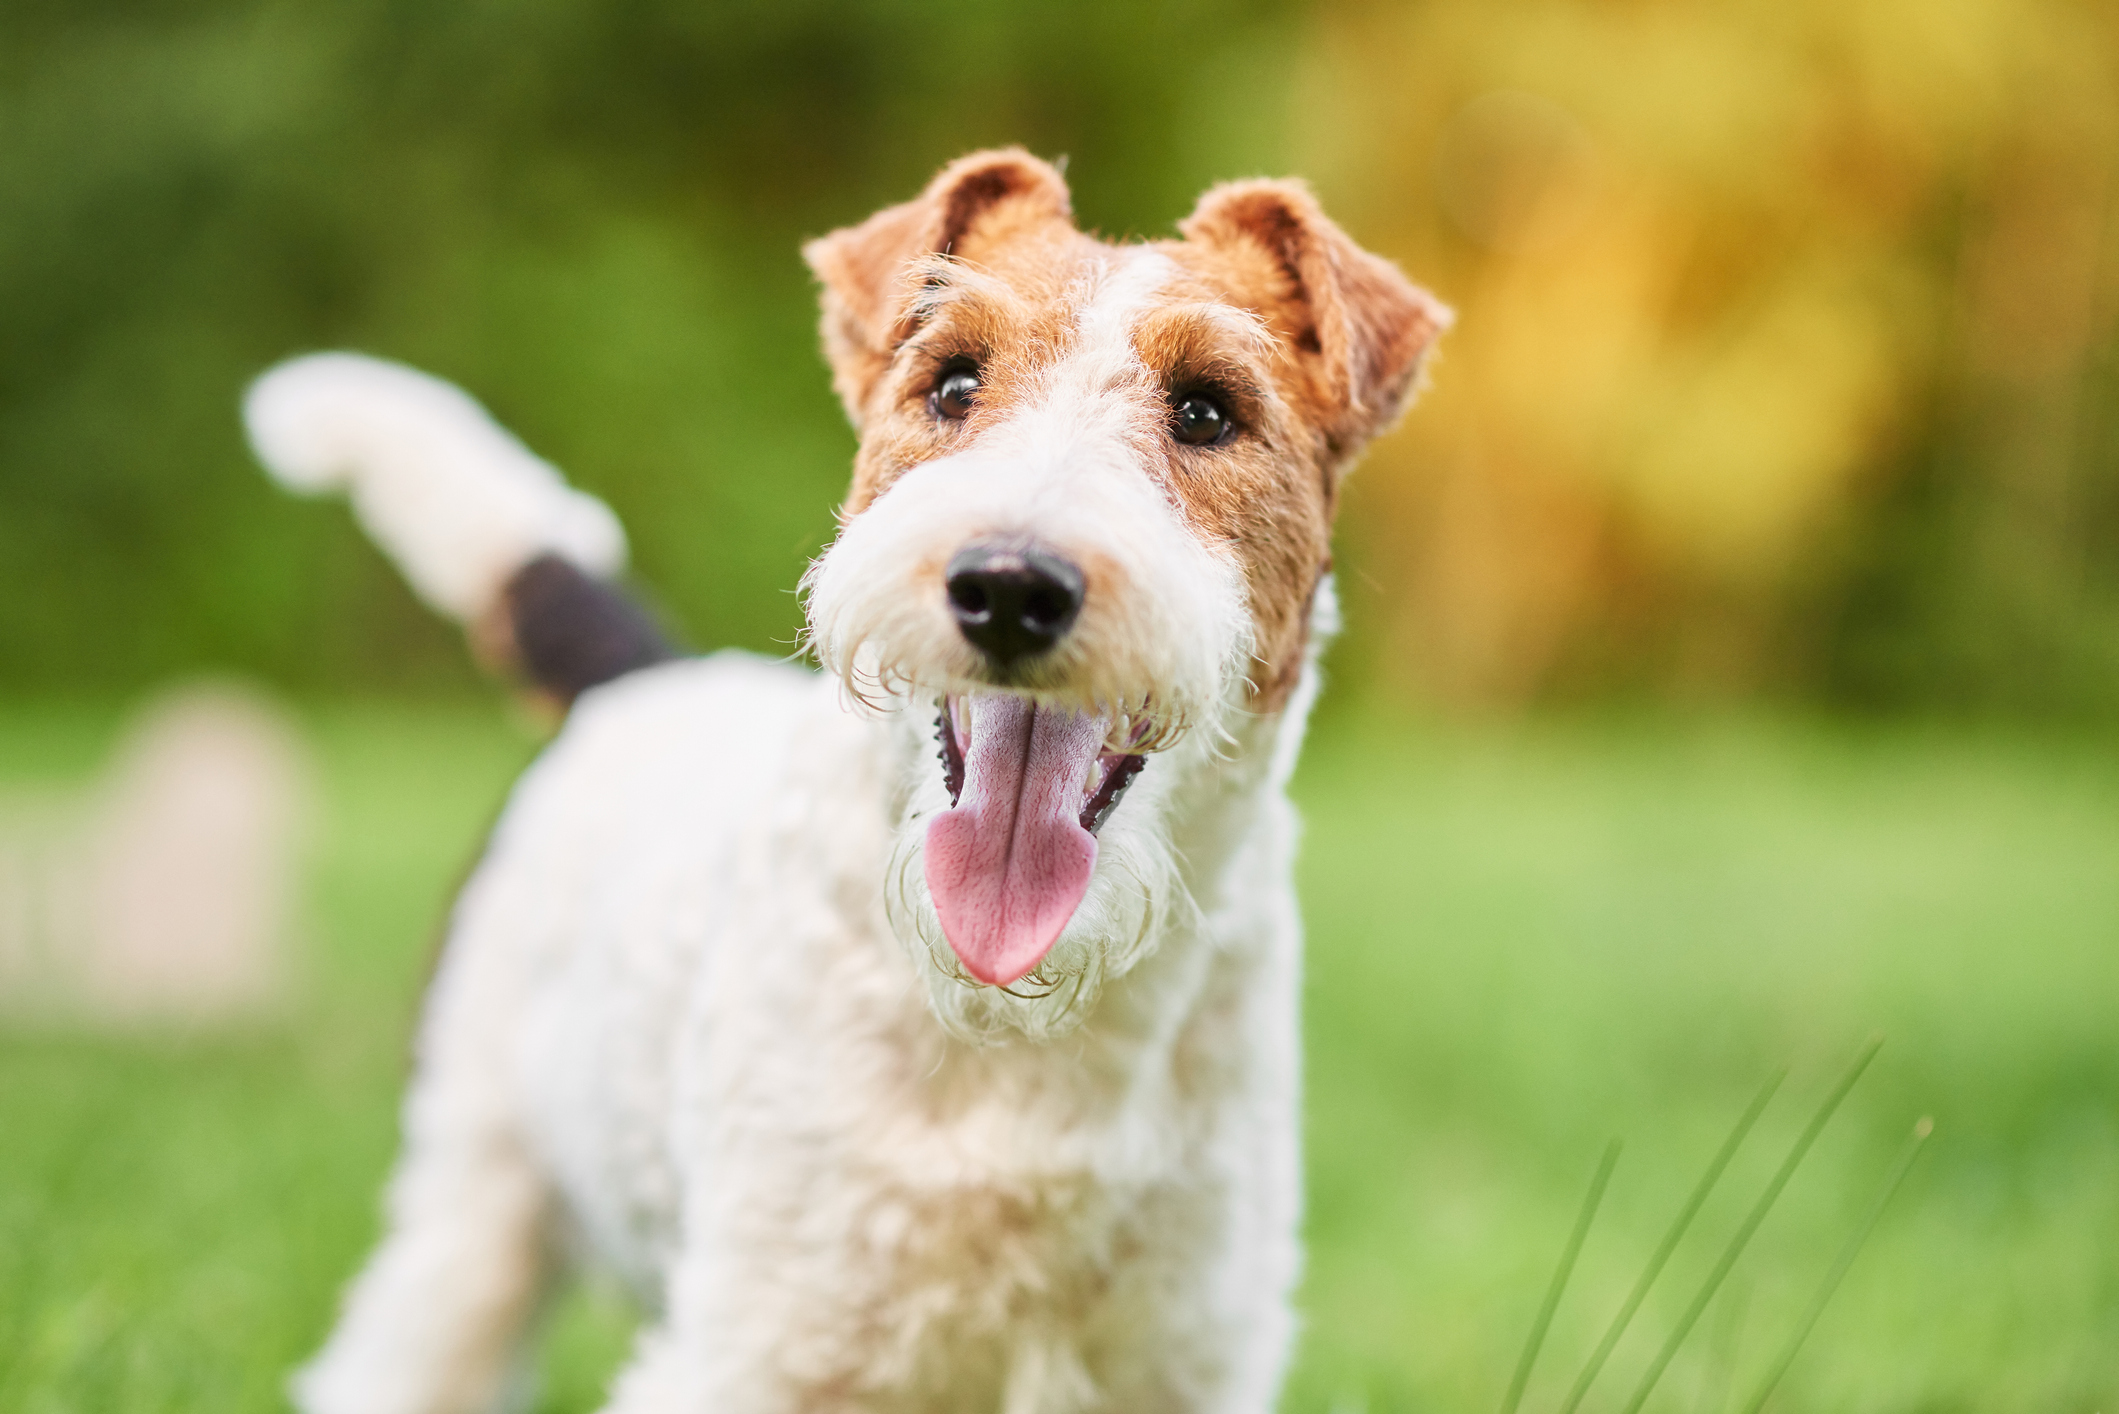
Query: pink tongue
[{"x": 1008, "y": 866}]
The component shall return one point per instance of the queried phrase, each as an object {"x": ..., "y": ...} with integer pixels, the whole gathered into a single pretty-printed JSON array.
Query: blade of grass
[
  {"x": 1670, "y": 1241},
  {"x": 1750, "y": 1225},
  {"x": 1561, "y": 1273},
  {"x": 1847, "y": 1253},
  {"x": 1717, "y": 1397}
]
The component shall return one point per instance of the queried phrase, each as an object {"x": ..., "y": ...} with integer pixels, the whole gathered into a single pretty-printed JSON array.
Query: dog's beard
[{"x": 1136, "y": 895}]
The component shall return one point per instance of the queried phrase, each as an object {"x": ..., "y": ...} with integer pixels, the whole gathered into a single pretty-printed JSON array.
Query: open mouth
[
  {"x": 1102, "y": 785},
  {"x": 1029, "y": 786}
]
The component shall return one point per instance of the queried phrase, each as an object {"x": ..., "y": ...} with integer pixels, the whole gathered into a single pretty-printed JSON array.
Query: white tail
[{"x": 451, "y": 496}]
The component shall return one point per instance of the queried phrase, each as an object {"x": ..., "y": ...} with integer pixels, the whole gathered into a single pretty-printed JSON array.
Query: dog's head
[{"x": 1088, "y": 532}]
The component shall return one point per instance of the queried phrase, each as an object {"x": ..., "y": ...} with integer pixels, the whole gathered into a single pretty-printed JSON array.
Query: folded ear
[
  {"x": 976, "y": 201},
  {"x": 1357, "y": 327}
]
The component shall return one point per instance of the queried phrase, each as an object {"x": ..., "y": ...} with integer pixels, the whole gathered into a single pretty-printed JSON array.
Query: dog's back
[{"x": 601, "y": 891}]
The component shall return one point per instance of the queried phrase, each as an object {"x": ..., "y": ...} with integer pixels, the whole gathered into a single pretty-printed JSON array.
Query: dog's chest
[
  {"x": 815, "y": 1162},
  {"x": 879, "y": 1240},
  {"x": 912, "y": 1206},
  {"x": 732, "y": 1072}
]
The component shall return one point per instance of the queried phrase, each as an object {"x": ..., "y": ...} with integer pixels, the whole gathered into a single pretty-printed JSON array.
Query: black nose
[{"x": 1013, "y": 601}]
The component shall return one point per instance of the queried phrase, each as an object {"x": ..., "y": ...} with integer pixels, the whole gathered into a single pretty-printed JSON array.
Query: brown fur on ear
[
  {"x": 979, "y": 200},
  {"x": 1358, "y": 325}
]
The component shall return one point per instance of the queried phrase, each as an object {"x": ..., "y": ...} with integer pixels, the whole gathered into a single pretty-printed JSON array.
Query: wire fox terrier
[{"x": 920, "y": 1035}]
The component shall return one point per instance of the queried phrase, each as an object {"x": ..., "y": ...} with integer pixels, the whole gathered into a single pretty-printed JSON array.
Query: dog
[{"x": 920, "y": 1034}]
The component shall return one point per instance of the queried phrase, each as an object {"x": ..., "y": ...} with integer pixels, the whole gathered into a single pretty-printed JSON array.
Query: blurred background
[
  {"x": 1733, "y": 630},
  {"x": 1787, "y": 366}
]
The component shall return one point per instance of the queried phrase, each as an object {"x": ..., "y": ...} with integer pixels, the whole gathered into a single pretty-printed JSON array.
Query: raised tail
[{"x": 487, "y": 533}]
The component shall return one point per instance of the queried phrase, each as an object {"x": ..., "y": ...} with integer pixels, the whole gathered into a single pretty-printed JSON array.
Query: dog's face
[{"x": 1089, "y": 525}]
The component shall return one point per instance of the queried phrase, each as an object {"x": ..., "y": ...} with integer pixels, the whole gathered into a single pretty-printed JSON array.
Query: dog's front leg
[
  {"x": 1046, "y": 1376},
  {"x": 434, "y": 1323},
  {"x": 657, "y": 1380}
]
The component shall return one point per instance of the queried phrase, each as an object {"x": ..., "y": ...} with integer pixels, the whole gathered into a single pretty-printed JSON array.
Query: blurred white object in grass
[{"x": 166, "y": 890}]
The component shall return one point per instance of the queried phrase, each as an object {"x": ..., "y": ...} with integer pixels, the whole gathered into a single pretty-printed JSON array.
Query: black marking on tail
[{"x": 573, "y": 631}]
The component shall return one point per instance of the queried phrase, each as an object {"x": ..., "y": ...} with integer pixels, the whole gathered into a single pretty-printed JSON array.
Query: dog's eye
[
  {"x": 955, "y": 391},
  {"x": 1198, "y": 420}
]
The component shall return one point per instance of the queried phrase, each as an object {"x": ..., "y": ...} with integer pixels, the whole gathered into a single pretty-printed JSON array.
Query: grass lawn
[{"x": 1524, "y": 942}]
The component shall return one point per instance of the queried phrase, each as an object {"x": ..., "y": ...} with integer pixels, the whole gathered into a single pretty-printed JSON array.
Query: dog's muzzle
[{"x": 1030, "y": 784}]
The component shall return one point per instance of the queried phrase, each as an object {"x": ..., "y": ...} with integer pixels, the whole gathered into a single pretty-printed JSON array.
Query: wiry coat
[{"x": 697, "y": 1018}]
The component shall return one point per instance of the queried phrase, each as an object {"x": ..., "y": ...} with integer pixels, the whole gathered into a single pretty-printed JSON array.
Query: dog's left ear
[
  {"x": 973, "y": 203},
  {"x": 1359, "y": 330}
]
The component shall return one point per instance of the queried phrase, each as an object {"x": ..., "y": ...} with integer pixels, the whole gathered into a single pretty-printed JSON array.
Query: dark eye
[
  {"x": 1198, "y": 420},
  {"x": 955, "y": 391}
]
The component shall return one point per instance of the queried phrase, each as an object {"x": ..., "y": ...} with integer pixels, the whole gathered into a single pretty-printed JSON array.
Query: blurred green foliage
[
  {"x": 1788, "y": 359},
  {"x": 1789, "y": 349},
  {"x": 588, "y": 213}
]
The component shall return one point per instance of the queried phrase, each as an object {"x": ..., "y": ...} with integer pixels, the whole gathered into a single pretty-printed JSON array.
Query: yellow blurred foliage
[{"x": 1714, "y": 264}]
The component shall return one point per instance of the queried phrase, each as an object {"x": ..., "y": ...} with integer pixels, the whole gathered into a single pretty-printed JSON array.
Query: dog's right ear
[{"x": 986, "y": 198}]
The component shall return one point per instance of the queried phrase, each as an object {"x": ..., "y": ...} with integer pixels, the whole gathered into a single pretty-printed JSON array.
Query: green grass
[{"x": 1524, "y": 942}]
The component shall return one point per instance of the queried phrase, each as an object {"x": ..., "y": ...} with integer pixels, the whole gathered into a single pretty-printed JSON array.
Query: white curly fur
[{"x": 694, "y": 1012}]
